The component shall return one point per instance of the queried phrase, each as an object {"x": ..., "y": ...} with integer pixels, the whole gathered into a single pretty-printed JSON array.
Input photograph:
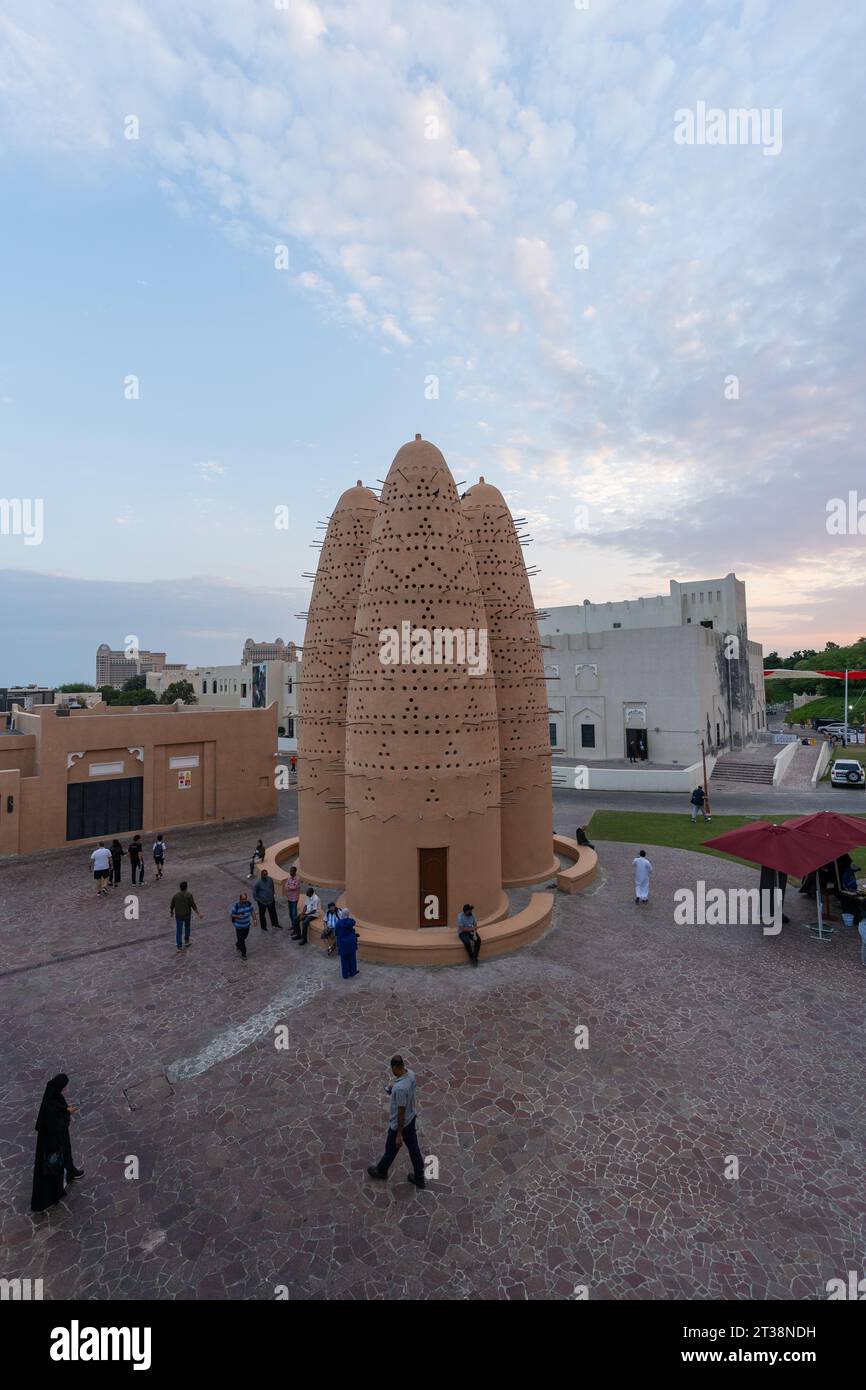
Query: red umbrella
[
  {"x": 833, "y": 825},
  {"x": 828, "y": 827},
  {"x": 786, "y": 848}
]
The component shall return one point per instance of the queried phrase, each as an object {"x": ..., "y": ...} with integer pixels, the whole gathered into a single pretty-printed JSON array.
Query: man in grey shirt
[
  {"x": 263, "y": 892},
  {"x": 401, "y": 1126}
]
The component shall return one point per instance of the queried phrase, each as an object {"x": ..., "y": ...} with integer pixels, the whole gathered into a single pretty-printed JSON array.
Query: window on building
[
  {"x": 617, "y": 624},
  {"x": 290, "y": 685},
  {"x": 291, "y": 728},
  {"x": 552, "y": 735},
  {"x": 587, "y": 735},
  {"x": 706, "y": 622},
  {"x": 243, "y": 690},
  {"x": 718, "y": 595},
  {"x": 204, "y": 687},
  {"x": 702, "y": 596}
]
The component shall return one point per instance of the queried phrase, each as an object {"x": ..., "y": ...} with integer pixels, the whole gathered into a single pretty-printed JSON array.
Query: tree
[
  {"x": 135, "y": 683},
  {"x": 77, "y": 688},
  {"x": 141, "y": 696},
  {"x": 179, "y": 690},
  {"x": 108, "y": 693}
]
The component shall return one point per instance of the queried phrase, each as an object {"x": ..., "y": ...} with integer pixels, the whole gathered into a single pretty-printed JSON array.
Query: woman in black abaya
[{"x": 53, "y": 1147}]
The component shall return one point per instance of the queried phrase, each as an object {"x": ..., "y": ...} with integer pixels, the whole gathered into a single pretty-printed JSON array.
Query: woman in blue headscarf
[{"x": 347, "y": 944}]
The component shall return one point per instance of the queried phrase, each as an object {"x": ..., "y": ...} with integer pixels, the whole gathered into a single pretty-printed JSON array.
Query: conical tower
[
  {"x": 422, "y": 746},
  {"x": 521, "y": 693},
  {"x": 324, "y": 680}
]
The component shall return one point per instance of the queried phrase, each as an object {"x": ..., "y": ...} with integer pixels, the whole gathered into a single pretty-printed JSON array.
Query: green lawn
[{"x": 642, "y": 828}]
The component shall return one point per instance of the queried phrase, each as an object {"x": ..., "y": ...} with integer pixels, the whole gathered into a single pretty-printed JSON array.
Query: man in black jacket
[{"x": 263, "y": 892}]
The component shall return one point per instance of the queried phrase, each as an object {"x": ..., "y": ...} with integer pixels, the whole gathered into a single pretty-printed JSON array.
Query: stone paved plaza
[{"x": 558, "y": 1167}]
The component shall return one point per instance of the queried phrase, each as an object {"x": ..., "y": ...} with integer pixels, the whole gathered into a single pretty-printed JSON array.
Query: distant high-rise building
[
  {"x": 115, "y": 667},
  {"x": 278, "y": 650}
]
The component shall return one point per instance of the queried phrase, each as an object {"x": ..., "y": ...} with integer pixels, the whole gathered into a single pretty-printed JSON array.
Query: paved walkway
[
  {"x": 558, "y": 1167},
  {"x": 798, "y": 774}
]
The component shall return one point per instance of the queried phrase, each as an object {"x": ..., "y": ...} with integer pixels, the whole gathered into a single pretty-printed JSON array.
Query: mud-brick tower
[
  {"x": 521, "y": 693},
  {"x": 324, "y": 681},
  {"x": 422, "y": 741}
]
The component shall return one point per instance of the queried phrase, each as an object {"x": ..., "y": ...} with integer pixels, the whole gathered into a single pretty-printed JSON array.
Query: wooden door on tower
[{"x": 433, "y": 887}]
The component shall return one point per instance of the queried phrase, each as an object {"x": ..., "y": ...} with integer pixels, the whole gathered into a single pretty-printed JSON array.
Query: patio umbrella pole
[{"x": 818, "y": 933}]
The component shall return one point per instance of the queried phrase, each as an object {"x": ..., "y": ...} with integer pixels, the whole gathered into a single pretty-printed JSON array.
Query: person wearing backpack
[
  {"x": 698, "y": 804},
  {"x": 159, "y": 855}
]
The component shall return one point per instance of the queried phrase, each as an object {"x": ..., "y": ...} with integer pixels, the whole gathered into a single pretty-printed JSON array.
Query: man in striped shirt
[{"x": 242, "y": 916}]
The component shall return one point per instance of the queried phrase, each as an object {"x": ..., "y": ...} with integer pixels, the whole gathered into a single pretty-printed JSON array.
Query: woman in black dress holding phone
[{"x": 53, "y": 1148}]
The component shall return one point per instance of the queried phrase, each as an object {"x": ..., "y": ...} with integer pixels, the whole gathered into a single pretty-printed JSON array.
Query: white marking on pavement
[{"x": 233, "y": 1040}]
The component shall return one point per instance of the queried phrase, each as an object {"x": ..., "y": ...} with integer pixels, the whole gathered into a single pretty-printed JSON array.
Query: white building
[
  {"x": 654, "y": 676},
  {"x": 243, "y": 687}
]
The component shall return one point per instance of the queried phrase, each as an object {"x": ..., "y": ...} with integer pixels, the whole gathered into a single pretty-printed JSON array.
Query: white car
[{"x": 847, "y": 772}]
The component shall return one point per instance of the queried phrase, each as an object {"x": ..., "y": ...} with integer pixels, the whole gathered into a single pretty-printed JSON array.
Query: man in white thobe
[{"x": 642, "y": 872}]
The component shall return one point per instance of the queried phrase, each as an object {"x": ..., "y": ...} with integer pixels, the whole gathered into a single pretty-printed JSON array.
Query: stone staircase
[{"x": 746, "y": 767}]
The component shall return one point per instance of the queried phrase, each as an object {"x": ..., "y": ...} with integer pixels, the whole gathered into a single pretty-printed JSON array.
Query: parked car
[
  {"x": 838, "y": 731},
  {"x": 847, "y": 772}
]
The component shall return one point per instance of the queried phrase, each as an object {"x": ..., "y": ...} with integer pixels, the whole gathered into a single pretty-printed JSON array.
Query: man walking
[
  {"x": 159, "y": 854},
  {"x": 401, "y": 1126},
  {"x": 467, "y": 930},
  {"x": 263, "y": 892},
  {"x": 181, "y": 908},
  {"x": 242, "y": 916},
  {"x": 292, "y": 891},
  {"x": 136, "y": 859},
  {"x": 698, "y": 804},
  {"x": 100, "y": 862},
  {"x": 642, "y": 874}
]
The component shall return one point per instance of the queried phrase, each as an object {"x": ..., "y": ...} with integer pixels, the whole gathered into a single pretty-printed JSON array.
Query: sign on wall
[
  {"x": 184, "y": 780},
  {"x": 260, "y": 676}
]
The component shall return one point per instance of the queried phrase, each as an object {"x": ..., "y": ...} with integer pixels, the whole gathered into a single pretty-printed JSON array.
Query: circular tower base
[{"x": 500, "y": 933}]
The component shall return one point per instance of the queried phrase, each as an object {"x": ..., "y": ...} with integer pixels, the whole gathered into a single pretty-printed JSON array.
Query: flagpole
[{"x": 846, "y": 706}]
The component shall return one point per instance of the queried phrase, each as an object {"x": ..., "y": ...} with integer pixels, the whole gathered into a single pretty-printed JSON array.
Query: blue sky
[{"x": 599, "y": 389}]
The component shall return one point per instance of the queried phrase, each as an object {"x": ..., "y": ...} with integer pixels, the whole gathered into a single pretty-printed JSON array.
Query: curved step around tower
[
  {"x": 441, "y": 945},
  {"x": 583, "y": 868}
]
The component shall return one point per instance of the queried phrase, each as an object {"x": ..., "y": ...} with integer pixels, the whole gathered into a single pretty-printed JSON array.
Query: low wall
[
  {"x": 583, "y": 868},
  {"x": 824, "y": 758},
  {"x": 782, "y": 761},
  {"x": 632, "y": 779}
]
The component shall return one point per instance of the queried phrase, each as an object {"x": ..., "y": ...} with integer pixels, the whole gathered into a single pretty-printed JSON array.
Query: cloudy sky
[{"x": 492, "y": 236}]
